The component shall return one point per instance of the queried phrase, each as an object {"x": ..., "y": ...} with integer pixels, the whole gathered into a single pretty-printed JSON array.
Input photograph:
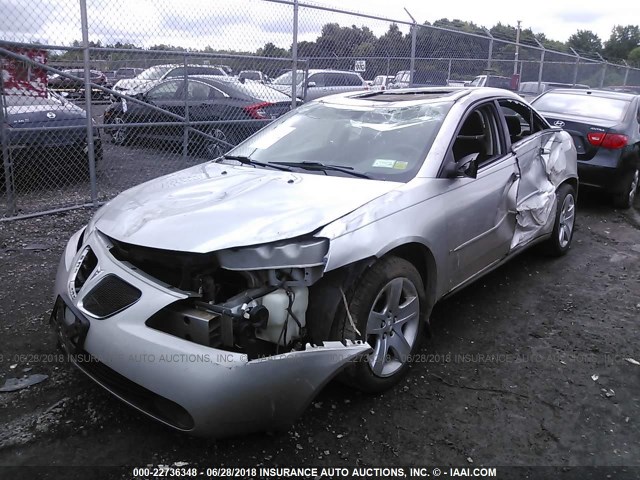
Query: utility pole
[{"x": 515, "y": 62}]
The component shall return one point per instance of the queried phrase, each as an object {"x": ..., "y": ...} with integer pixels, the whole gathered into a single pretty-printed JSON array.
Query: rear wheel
[
  {"x": 387, "y": 308},
  {"x": 629, "y": 188},
  {"x": 119, "y": 134},
  {"x": 562, "y": 235},
  {"x": 219, "y": 141}
]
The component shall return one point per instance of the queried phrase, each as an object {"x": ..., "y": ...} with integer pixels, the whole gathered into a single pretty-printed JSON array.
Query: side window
[
  {"x": 204, "y": 71},
  {"x": 199, "y": 92},
  {"x": 479, "y": 134},
  {"x": 176, "y": 72},
  {"x": 521, "y": 120},
  {"x": 165, "y": 91},
  {"x": 318, "y": 78},
  {"x": 353, "y": 80},
  {"x": 336, "y": 79}
]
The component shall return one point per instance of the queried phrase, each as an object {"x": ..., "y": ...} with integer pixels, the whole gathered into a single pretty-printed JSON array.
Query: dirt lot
[{"x": 526, "y": 367}]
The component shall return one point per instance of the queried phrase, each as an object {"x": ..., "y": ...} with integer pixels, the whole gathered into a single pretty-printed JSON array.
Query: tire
[
  {"x": 211, "y": 149},
  {"x": 629, "y": 188},
  {"x": 560, "y": 241},
  {"x": 119, "y": 135},
  {"x": 390, "y": 283}
]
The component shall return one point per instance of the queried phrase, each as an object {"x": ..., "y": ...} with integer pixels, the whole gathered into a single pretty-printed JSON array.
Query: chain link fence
[{"x": 99, "y": 96}]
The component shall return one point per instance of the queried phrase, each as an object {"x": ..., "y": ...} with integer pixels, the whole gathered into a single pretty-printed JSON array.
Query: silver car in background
[
  {"x": 319, "y": 83},
  {"x": 220, "y": 299}
]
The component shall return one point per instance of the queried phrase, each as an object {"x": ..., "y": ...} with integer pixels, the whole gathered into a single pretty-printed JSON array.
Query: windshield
[
  {"x": 285, "y": 78},
  {"x": 154, "y": 73},
  {"x": 383, "y": 142},
  {"x": 582, "y": 105},
  {"x": 477, "y": 81}
]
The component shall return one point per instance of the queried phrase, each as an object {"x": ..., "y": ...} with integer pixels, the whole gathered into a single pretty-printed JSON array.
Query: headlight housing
[{"x": 299, "y": 253}]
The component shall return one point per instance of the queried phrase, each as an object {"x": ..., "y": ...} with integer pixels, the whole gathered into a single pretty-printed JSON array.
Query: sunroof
[{"x": 400, "y": 96}]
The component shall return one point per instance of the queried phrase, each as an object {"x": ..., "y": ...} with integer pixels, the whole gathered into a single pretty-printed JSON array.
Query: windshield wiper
[
  {"x": 324, "y": 167},
  {"x": 247, "y": 161}
]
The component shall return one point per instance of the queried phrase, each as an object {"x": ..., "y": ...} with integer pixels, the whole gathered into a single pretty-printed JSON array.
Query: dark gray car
[{"x": 605, "y": 129}]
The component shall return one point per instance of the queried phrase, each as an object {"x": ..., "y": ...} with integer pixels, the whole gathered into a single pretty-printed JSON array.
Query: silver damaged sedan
[{"x": 220, "y": 299}]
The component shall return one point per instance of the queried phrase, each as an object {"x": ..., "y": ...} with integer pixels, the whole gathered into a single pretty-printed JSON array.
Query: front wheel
[
  {"x": 388, "y": 309},
  {"x": 629, "y": 187},
  {"x": 562, "y": 235}
]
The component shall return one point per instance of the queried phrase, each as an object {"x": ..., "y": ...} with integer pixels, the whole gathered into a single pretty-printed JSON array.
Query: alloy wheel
[
  {"x": 566, "y": 221},
  {"x": 392, "y": 326}
]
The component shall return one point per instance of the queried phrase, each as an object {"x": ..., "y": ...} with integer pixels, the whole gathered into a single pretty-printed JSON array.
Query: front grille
[
  {"x": 110, "y": 296},
  {"x": 149, "y": 402},
  {"x": 171, "y": 267}
]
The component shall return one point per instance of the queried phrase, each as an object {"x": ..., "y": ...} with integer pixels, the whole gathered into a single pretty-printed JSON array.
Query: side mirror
[
  {"x": 467, "y": 166},
  {"x": 311, "y": 84}
]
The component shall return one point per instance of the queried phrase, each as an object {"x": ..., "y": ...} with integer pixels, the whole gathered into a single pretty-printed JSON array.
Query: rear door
[{"x": 532, "y": 146}]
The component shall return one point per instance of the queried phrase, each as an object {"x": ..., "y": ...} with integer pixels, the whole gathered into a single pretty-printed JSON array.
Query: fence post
[
  {"x": 388, "y": 66},
  {"x": 294, "y": 60},
  {"x": 449, "y": 72},
  {"x": 490, "y": 54},
  {"x": 6, "y": 158},
  {"x": 185, "y": 131},
  {"x": 575, "y": 70},
  {"x": 604, "y": 69},
  {"x": 413, "y": 53},
  {"x": 626, "y": 73},
  {"x": 541, "y": 68},
  {"x": 516, "y": 57},
  {"x": 87, "y": 101}
]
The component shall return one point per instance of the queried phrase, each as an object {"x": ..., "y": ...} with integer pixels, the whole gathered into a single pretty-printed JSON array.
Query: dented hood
[{"x": 215, "y": 206}]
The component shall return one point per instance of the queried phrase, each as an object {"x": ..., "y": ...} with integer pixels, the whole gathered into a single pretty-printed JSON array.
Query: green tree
[
  {"x": 634, "y": 57},
  {"x": 585, "y": 41},
  {"x": 622, "y": 41}
]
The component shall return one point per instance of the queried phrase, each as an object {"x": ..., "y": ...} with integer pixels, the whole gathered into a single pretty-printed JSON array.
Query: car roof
[
  {"x": 216, "y": 78},
  {"x": 594, "y": 93},
  {"x": 329, "y": 70}
]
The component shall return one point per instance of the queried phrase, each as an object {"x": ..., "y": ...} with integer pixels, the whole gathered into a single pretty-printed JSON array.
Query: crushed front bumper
[{"x": 185, "y": 385}]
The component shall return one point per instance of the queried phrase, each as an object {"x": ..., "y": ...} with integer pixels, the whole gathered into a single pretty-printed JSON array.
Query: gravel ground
[{"x": 525, "y": 367}]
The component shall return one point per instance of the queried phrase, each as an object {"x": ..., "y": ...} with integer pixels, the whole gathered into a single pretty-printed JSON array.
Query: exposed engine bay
[{"x": 258, "y": 312}]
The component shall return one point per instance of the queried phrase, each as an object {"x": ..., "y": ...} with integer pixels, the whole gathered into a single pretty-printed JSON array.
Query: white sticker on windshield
[
  {"x": 381, "y": 163},
  {"x": 269, "y": 138}
]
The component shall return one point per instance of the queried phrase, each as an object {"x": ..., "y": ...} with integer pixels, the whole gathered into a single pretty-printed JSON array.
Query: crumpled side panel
[{"x": 543, "y": 166}]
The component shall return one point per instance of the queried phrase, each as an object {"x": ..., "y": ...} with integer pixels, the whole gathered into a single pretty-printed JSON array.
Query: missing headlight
[{"x": 308, "y": 252}]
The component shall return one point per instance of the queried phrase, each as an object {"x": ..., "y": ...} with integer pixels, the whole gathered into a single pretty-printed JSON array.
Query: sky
[
  {"x": 557, "y": 19},
  {"x": 245, "y": 25}
]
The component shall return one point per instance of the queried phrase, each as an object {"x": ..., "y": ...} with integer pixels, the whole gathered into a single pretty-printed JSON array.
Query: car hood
[{"x": 213, "y": 206}]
